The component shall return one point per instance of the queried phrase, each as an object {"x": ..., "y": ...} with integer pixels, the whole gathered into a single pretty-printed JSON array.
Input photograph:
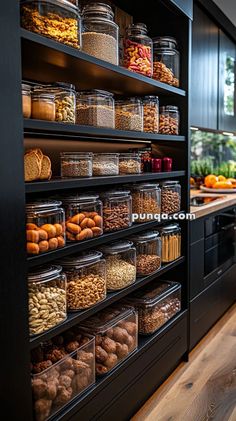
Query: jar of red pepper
[{"x": 138, "y": 50}]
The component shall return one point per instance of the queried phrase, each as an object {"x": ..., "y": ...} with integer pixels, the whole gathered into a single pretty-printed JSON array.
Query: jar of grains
[
  {"x": 43, "y": 104},
  {"x": 86, "y": 280},
  {"x": 100, "y": 34},
  {"x": 171, "y": 243},
  {"x": 169, "y": 120},
  {"x": 146, "y": 200},
  {"x": 138, "y": 50},
  {"x": 166, "y": 60},
  {"x": 83, "y": 217},
  {"x": 64, "y": 101},
  {"x": 129, "y": 163},
  {"x": 170, "y": 197},
  {"x": 148, "y": 249},
  {"x": 26, "y": 100},
  {"x": 95, "y": 108},
  {"x": 120, "y": 264},
  {"x": 47, "y": 298},
  {"x": 129, "y": 114},
  {"x": 76, "y": 164},
  {"x": 56, "y": 19},
  {"x": 105, "y": 164},
  {"x": 117, "y": 208},
  {"x": 151, "y": 114}
]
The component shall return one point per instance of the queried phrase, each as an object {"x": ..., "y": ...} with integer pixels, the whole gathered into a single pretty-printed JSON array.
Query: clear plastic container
[
  {"x": 26, "y": 100},
  {"x": 138, "y": 54},
  {"x": 169, "y": 120},
  {"x": 171, "y": 243},
  {"x": 86, "y": 280},
  {"x": 129, "y": 114},
  {"x": 156, "y": 304},
  {"x": 47, "y": 298},
  {"x": 57, "y": 19},
  {"x": 45, "y": 226},
  {"x": 115, "y": 329},
  {"x": 43, "y": 104},
  {"x": 62, "y": 369},
  {"x": 65, "y": 101},
  {"x": 76, "y": 164},
  {"x": 105, "y": 164},
  {"x": 148, "y": 249},
  {"x": 84, "y": 218},
  {"x": 129, "y": 163},
  {"x": 120, "y": 264},
  {"x": 151, "y": 114},
  {"x": 117, "y": 209},
  {"x": 170, "y": 197},
  {"x": 95, "y": 108},
  {"x": 146, "y": 200},
  {"x": 166, "y": 60},
  {"x": 100, "y": 34}
]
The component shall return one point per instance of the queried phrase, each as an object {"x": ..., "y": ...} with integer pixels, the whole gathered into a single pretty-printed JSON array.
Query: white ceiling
[{"x": 229, "y": 8}]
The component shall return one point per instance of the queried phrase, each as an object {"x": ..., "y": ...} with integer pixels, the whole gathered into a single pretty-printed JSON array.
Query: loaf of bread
[{"x": 37, "y": 165}]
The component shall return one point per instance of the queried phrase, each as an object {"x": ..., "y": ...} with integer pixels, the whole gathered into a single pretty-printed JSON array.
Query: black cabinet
[
  {"x": 227, "y": 96},
  {"x": 204, "y": 92}
]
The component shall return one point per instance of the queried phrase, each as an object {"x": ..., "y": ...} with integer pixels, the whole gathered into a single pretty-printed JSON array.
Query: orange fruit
[
  {"x": 232, "y": 180},
  {"x": 223, "y": 185},
  {"x": 192, "y": 181},
  {"x": 221, "y": 178},
  {"x": 210, "y": 180}
]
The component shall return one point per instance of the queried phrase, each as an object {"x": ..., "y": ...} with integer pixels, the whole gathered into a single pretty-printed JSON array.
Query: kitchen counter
[{"x": 224, "y": 202}]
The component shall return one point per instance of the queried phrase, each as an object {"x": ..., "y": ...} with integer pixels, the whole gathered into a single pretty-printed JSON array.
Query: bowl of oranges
[{"x": 219, "y": 184}]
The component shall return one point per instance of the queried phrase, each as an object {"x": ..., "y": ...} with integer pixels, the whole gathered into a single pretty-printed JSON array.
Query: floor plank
[{"x": 205, "y": 388}]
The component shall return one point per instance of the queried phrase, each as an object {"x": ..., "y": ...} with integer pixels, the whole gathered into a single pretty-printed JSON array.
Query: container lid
[
  {"x": 129, "y": 155},
  {"x": 43, "y": 205},
  {"x": 62, "y": 3},
  {"x": 76, "y": 155},
  {"x": 172, "y": 108},
  {"x": 137, "y": 26},
  {"x": 97, "y": 92},
  {"x": 64, "y": 85},
  {"x": 85, "y": 198},
  {"x": 165, "y": 42},
  {"x": 146, "y": 186},
  {"x": 145, "y": 236},
  {"x": 102, "y": 9},
  {"x": 151, "y": 98},
  {"x": 42, "y": 95},
  {"x": 44, "y": 273},
  {"x": 128, "y": 101},
  {"x": 170, "y": 228},
  {"x": 116, "y": 193},
  {"x": 25, "y": 87},
  {"x": 107, "y": 155},
  {"x": 151, "y": 294},
  {"x": 169, "y": 183},
  {"x": 107, "y": 317},
  {"x": 117, "y": 247},
  {"x": 84, "y": 259}
]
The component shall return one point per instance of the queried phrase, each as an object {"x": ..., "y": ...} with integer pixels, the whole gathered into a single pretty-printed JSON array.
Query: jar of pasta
[{"x": 171, "y": 243}]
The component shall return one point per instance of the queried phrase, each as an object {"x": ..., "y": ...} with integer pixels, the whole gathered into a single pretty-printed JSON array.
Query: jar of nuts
[
  {"x": 170, "y": 197},
  {"x": 45, "y": 226},
  {"x": 47, "y": 298},
  {"x": 26, "y": 100},
  {"x": 129, "y": 163},
  {"x": 129, "y": 114},
  {"x": 65, "y": 101},
  {"x": 86, "y": 280},
  {"x": 117, "y": 208},
  {"x": 146, "y": 202},
  {"x": 148, "y": 249},
  {"x": 138, "y": 54},
  {"x": 171, "y": 243},
  {"x": 76, "y": 164},
  {"x": 166, "y": 61},
  {"x": 151, "y": 114},
  {"x": 95, "y": 108},
  {"x": 105, "y": 164},
  {"x": 115, "y": 329},
  {"x": 156, "y": 304},
  {"x": 84, "y": 218},
  {"x": 169, "y": 120},
  {"x": 120, "y": 264}
]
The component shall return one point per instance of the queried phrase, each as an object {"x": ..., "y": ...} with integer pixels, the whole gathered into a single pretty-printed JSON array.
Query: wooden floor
[{"x": 205, "y": 388}]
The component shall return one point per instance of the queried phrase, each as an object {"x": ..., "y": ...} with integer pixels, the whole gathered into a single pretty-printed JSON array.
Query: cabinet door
[
  {"x": 204, "y": 87},
  {"x": 227, "y": 96}
]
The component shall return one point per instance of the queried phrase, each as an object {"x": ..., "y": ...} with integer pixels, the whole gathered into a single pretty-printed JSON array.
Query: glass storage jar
[
  {"x": 171, "y": 243},
  {"x": 151, "y": 114},
  {"x": 86, "y": 280},
  {"x": 120, "y": 264},
  {"x": 146, "y": 200},
  {"x": 84, "y": 217},
  {"x": 156, "y": 304},
  {"x": 45, "y": 226},
  {"x": 169, "y": 120},
  {"x": 100, "y": 34},
  {"x": 65, "y": 101},
  {"x": 166, "y": 60},
  {"x": 129, "y": 114},
  {"x": 117, "y": 208},
  {"x": 129, "y": 163},
  {"x": 47, "y": 298},
  {"x": 148, "y": 249},
  {"x": 115, "y": 329},
  {"x": 105, "y": 164},
  {"x": 57, "y": 19},
  {"x": 61, "y": 369},
  {"x": 138, "y": 54},
  {"x": 95, "y": 108},
  {"x": 26, "y": 100},
  {"x": 76, "y": 164},
  {"x": 43, "y": 104},
  {"x": 170, "y": 197}
]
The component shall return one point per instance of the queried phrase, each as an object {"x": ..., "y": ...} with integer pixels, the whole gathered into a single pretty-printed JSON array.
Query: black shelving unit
[{"x": 32, "y": 57}]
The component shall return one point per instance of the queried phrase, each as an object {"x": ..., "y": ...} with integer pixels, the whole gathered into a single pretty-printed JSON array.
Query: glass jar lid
[
  {"x": 137, "y": 27},
  {"x": 151, "y": 294},
  {"x": 108, "y": 317},
  {"x": 25, "y": 87},
  {"x": 83, "y": 198},
  {"x": 170, "y": 183},
  {"x": 76, "y": 155},
  {"x": 116, "y": 194},
  {"x": 146, "y": 186},
  {"x": 128, "y": 101},
  {"x": 129, "y": 155},
  {"x": 107, "y": 155},
  {"x": 168, "y": 229},
  {"x": 40, "y": 94},
  {"x": 44, "y": 273},
  {"x": 64, "y": 86},
  {"x": 96, "y": 92},
  {"x": 165, "y": 42},
  {"x": 117, "y": 247},
  {"x": 151, "y": 98},
  {"x": 172, "y": 108},
  {"x": 61, "y": 3},
  {"x": 145, "y": 236},
  {"x": 84, "y": 259},
  {"x": 43, "y": 205},
  {"x": 95, "y": 10}
]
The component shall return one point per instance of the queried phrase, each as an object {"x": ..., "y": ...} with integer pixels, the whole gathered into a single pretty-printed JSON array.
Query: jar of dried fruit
[
  {"x": 170, "y": 197},
  {"x": 146, "y": 200},
  {"x": 148, "y": 248},
  {"x": 169, "y": 120},
  {"x": 166, "y": 60},
  {"x": 151, "y": 114},
  {"x": 117, "y": 210},
  {"x": 138, "y": 55}
]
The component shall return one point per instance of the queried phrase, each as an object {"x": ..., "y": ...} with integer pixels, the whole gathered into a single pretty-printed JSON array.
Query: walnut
[
  {"x": 98, "y": 340},
  {"x": 86, "y": 357},
  {"x": 121, "y": 350},
  {"x": 109, "y": 345},
  {"x": 130, "y": 341},
  {"x": 101, "y": 369},
  {"x": 79, "y": 383},
  {"x": 72, "y": 346},
  {"x": 53, "y": 373},
  {"x": 65, "y": 381},
  {"x": 63, "y": 396},
  {"x": 42, "y": 409},
  {"x": 101, "y": 354},
  {"x": 67, "y": 364},
  {"x": 52, "y": 389},
  {"x": 130, "y": 327},
  {"x": 38, "y": 367},
  {"x": 69, "y": 373},
  {"x": 119, "y": 334},
  {"x": 55, "y": 355},
  {"x": 39, "y": 388},
  {"x": 109, "y": 333},
  {"x": 84, "y": 341},
  {"x": 111, "y": 361},
  {"x": 79, "y": 366}
]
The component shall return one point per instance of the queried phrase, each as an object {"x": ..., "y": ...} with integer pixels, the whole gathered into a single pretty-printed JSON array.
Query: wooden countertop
[{"x": 225, "y": 201}]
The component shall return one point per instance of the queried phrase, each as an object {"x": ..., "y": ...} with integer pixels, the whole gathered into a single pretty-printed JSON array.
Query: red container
[
  {"x": 156, "y": 164},
  {"x": 167, "y": 164}
]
